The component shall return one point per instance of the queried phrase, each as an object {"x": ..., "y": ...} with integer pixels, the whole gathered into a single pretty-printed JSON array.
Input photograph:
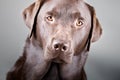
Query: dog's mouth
[
  {"x": 63, "y": 58},
  {"x": 58, "y": 56},
  {"x": 58, "y": 60}
]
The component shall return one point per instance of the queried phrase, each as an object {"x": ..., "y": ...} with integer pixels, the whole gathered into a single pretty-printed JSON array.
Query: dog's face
[{"x": 63, "y": 27}]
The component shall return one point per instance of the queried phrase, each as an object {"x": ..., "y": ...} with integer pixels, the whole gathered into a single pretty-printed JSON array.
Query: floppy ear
[
  {"x": 29, "y": 14},
  {"x": 97, "y": 30}
]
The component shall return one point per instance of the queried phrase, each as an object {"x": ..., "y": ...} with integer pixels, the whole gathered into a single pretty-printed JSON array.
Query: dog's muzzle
[{"x": 59, "y": 51}]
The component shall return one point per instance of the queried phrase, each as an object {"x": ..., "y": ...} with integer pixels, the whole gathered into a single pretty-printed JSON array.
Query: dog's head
[{"x": 63, "y": 28}]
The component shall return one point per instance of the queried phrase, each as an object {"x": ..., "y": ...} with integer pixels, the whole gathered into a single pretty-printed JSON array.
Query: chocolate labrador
[{"x": 59, "y": 42}]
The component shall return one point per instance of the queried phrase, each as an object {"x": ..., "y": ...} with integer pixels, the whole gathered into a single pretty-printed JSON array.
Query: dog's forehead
[
  {"x": 66, "y": 6},
  {"x": 59, "y": 4}
]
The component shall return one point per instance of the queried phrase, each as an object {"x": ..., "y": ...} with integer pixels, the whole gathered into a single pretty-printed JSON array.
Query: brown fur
[{"x": 58, "y": 45}]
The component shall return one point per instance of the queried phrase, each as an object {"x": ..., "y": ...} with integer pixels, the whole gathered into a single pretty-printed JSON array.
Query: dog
[{"x": 59, "y": 42}]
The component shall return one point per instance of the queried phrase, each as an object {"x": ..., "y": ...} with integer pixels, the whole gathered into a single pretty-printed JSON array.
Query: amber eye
[
  {"x": 50, "y": 18},
  {"x": 79, "y": 23}
]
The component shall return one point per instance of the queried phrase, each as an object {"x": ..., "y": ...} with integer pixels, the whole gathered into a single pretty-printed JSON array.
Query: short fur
[{"x": 58, "y": 45}]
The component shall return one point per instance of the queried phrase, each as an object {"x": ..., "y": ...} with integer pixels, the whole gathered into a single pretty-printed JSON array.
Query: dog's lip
[
  {"x": 58, "y": 56},
  {"x": 58, "y": 60},
  {"x": 62, "y": 60}
]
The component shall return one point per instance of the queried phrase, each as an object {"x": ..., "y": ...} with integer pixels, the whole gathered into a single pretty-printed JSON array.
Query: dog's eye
[
  {"x": 50, "y": 18},
  {"x": 79, "y": 23}
]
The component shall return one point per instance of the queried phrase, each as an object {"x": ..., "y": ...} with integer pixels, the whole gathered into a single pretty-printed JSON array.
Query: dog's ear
[
  {"x": 30, "y": 15},
  {"x": 97, "y": 30},
  {"x": 30, "y": 12}
]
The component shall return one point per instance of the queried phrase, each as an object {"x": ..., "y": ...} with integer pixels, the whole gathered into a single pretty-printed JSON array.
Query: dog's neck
[
  {"x": 33, "y": 50},
  {"x": 35, "y": 65}
]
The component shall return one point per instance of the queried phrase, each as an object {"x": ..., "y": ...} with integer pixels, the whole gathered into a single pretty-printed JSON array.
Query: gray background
[{"x": 103, "y": 62}]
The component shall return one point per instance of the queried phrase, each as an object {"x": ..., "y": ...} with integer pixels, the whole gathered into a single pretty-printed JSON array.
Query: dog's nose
[{"x": 60, "y": 45}]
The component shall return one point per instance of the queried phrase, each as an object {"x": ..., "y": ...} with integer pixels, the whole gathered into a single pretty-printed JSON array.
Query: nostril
[
  {"x": 60, "y": 45},
  {"x": 64, "y": 48},
  {"x": 56, "y": 46}
]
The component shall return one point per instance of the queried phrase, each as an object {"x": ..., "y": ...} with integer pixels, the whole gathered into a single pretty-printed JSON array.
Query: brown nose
[{"x": 59, "y": 45}]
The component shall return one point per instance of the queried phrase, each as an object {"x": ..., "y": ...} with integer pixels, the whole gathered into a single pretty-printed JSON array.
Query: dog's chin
[
  {"x": 58, "y": 61},
  {"x": 58, "y": 57},
  {"x": 66, "y": 60}
]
